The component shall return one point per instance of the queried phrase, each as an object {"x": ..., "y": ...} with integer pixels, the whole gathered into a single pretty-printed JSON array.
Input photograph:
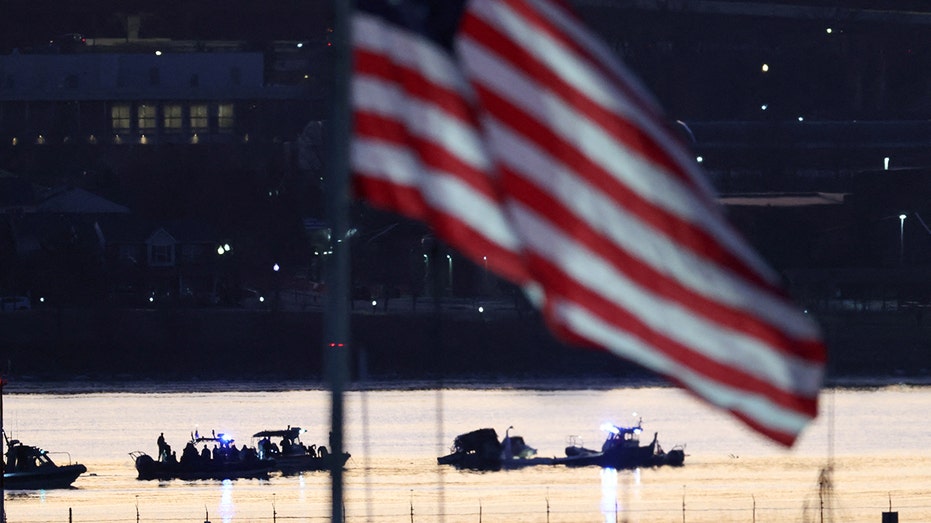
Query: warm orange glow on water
[{"x": 879, "y": 452}]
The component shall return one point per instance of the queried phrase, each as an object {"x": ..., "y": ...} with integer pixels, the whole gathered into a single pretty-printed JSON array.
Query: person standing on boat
[
  {"x": 189, "y": 454},
  {"x": 164, "y": 450}
]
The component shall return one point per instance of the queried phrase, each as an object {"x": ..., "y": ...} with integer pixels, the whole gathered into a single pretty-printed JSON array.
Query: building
[
  {"x": 221, "y": 122},
  {"x": 110, "y": 92}
]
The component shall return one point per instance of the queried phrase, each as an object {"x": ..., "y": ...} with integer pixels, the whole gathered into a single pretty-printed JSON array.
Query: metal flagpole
[
  {"x": 336, "y": 316},
  {"x": 2, "y": 485}
]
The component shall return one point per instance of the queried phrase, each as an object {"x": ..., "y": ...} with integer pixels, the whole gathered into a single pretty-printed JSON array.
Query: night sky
[{"x": 28, "y": 24}]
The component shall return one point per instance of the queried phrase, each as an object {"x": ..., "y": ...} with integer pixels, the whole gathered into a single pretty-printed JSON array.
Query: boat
[
  {"x": 27, "y": 467},
  {"x": 622, "y": 450},
  {"x": 291, "y": 455},
  {"x": 481, "y": 450},
  {"x": 223, "y": 461}
]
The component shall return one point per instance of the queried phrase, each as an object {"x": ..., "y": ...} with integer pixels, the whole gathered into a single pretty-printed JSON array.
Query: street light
[
  {"x": 450, "y": 259},
  {"x": 901, "y": 237},
  {"x": 275, "y": 269}
]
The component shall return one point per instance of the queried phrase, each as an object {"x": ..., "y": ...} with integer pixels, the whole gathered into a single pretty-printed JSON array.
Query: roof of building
[
  {"x": 782, "y": 199},
  {"x": 66, "y": 199}
]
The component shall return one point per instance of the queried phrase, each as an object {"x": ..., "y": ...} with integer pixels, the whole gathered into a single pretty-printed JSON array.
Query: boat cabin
[
  {"x": 21, "y": 458},
  {"x": 621, "y": 436}
]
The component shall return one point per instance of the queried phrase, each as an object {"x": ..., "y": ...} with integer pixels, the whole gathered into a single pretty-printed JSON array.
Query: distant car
[
  {"x": 68, "y": 43},
  {"x": 15, "y": 303}
]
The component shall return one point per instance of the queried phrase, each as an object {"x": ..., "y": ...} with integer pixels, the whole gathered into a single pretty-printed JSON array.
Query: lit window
[
  {"x": 119, "y": 118},
  {"x": 199, "y": 119},
  {"x": 225, "y": 119},
  {"x": 172, "y": 117},
  {"x": 146, "y": 117}
]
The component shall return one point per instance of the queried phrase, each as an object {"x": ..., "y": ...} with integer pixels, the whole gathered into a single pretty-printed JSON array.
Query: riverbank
[{"x": 241, "y": 344}]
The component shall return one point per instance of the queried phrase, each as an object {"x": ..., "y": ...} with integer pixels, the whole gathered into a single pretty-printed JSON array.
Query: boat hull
[
  {"x": 54, "y": 478},
  {"x": 307, "y": 462},
  {"x": 619, "y": 458},
  {"x": 623, "y": 457},
  {"x": 149, "y": 469}
]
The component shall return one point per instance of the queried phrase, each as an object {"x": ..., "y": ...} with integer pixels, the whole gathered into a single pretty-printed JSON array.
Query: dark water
[{"x": 876, "y": 439}]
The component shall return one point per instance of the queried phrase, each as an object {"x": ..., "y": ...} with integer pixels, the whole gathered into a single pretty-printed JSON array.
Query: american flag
[{"x": 516, "y": 134}]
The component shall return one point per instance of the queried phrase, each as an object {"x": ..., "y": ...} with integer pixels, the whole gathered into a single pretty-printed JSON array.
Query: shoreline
[
  {"x": 211, "y": 346},
  {"x": 27, "y": 385}
]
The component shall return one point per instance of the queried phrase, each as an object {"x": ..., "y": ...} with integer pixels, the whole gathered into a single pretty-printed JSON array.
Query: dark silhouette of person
[
  {"x": 164, "y": 449},
  {"x": 189, "y": 454}
]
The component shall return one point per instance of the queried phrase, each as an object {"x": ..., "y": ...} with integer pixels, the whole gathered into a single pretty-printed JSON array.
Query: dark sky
[
  {"x": 32, "y": 23},
  {"x": 25, "y": 21}
]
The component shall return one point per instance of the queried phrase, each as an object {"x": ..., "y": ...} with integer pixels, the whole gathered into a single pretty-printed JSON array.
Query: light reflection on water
[
  {"x": 879, "y": 452},
  {"x": 227, "y": 508},
  {"x": 609, "y": 503}
]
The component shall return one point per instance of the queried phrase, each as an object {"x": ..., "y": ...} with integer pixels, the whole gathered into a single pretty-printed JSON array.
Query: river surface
[{"x": 876, "y": 439}]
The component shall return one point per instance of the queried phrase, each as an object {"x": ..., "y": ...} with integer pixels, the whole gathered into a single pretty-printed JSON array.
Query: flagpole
[
  {"x": 336, "y": 316},
  {"x": 2, "y": 472}
]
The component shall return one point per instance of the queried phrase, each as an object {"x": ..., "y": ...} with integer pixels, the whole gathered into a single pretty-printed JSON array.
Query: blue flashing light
[
  {"x": 225, "y": 437},
  {"x": 610, "y": 427}
]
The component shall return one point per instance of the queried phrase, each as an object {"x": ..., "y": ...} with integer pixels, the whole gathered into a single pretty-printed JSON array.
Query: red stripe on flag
[
  {"x": 649, "y": 277},
  {"x": 623, "y": 131},
  {"x": 779, "y": 436},
  {"x": 412, "y": 82},
  {"x": 410, "y": 202},
  {"x": 560, "y": 286},
  {"x": 539, "y": 23},
  {"x": 682, "y": 232},
  {"x": 432, "y": 155}
]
